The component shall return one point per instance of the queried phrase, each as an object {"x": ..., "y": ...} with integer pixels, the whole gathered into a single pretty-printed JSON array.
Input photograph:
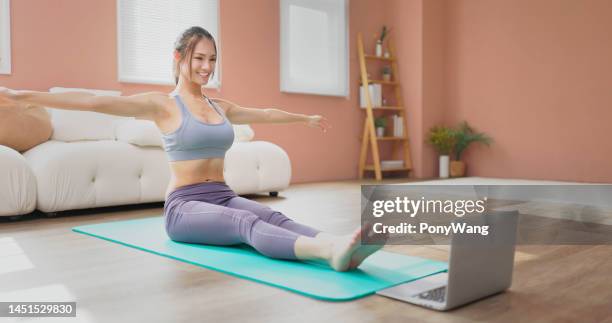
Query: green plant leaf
[
  {"x": 464, "y": 136},
  {"x": 380, "y": 122},
  {"x": 442, "y": 139}
]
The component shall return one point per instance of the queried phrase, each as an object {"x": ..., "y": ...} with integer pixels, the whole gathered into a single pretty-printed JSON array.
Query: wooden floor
[{"x": 41, "y": 259}]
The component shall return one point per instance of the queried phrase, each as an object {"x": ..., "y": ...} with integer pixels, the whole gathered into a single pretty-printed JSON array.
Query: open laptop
[{"x": 479, "y": 266}]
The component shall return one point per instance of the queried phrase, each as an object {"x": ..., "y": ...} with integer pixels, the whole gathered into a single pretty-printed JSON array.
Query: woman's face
[{"x": 203, "y": 62}]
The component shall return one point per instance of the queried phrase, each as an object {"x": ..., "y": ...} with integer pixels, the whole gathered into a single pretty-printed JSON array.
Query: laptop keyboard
[{"x": 436, "y": 295}]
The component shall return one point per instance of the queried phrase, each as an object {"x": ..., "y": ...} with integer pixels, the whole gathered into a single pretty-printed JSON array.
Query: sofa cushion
[
  {"x": 23, "y": 127},
  {"x": 138, "y": 132},
  {"x": 256, "y": 166},
  {"x": 18, "y": 189},
  {"x": 84, "y": 174},
  {"x": 74, "y": 125},
  {"x": 243, "y": 132},
  {"x": 145, "y": 132}
]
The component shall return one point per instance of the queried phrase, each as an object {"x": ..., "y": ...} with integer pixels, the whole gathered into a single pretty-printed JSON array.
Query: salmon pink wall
[
  {"x": 406, "y": 21},
  {"x": 434, "y": 78},
  {"x": 72, "y": 43},
  {"x": 536, "y": 76},
  {"x": 419, "y": 35}
]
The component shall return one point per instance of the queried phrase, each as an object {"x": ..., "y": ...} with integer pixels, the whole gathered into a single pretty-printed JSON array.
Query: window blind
[{"x": 147, "y": 32}]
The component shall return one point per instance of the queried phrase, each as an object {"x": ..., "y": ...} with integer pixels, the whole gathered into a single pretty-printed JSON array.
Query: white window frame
[
  {"x": 344, "y": 89},
  {"x": 141, "y": 80},
  {"x": 5, "y": 37}
]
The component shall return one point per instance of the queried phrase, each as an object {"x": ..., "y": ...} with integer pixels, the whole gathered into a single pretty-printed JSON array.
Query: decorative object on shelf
[
  {"x": 380, "y": 123},
  {"x": 464, "y": 136},
  {"x": 386, "y": 73},
  {"x": 387, "y": 54},
  {"x": 443, "y": 140},
  {"x": 390, "y": 164},
  {"x": 379, "y": 48},
  {"x": 379, "y": 42},
  {"x": 375, "y": 95},
  {"x": 398, "y": 125}
]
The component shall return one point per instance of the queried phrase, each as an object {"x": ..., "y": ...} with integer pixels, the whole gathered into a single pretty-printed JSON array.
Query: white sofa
[
  {"x": 96, "y": 160},
  {"x": 18, "y": 189}
]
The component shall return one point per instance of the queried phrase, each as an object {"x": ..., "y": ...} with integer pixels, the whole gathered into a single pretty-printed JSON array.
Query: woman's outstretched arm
[
  {"x": 241, "y": 115},
  {"x": 143, "y": 106}
]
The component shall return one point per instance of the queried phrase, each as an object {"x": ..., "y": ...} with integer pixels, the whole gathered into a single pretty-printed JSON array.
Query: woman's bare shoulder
[
  {"x": 223, "y": 103},
  {"x": 163, "y": 102}
]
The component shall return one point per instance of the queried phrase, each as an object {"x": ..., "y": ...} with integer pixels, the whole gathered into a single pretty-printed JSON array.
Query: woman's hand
[{"x": 318, "y": 121}]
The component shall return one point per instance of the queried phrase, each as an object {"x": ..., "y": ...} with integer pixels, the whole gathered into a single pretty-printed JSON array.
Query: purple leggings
[{"x": 212, "y": 213}]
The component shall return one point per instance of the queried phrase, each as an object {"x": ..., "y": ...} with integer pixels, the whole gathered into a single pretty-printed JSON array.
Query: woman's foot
[
  {"x": 366, "y": 250},
  {"x": 348, "y": 252}
]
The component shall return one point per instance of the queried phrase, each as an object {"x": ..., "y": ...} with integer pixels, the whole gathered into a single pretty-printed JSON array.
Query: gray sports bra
[{"x": 195, "y": 139}]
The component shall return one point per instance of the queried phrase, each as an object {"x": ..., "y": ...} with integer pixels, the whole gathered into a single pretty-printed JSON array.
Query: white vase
[
  {"x": 380, "y": 132},
  {"x": 379, "y": 48},
  {"x": 444, "y": 165}
]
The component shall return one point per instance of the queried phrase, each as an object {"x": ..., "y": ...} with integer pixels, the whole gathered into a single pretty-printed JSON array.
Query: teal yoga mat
[{"x": 380, "y": 270}]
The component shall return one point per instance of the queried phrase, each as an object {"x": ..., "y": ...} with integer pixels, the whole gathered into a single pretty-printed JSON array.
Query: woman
[{"x": 197, "y": 131}]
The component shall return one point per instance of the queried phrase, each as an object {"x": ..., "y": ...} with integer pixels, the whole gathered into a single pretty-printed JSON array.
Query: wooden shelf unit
[{"x": 401, "y": 144}]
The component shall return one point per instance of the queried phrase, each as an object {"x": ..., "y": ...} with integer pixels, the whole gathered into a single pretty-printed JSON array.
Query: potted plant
[
  {"x": 386, "y": 73},
  {"x": 380, "y": 123},
  {"x": 443, "y": 141},
  {"x": 464, "y": 136}
]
